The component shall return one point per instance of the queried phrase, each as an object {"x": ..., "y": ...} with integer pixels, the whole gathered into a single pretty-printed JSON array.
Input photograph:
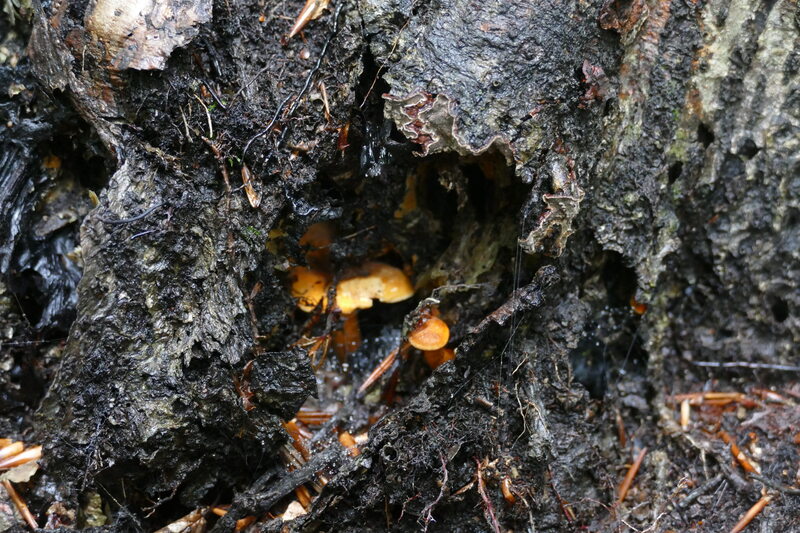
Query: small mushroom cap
[
  {"x": 310, "y": 287},
  {"x": 439, "y": 357},
  {"x": 378, "y": 282},
  {"x": 430, "y": 335}
]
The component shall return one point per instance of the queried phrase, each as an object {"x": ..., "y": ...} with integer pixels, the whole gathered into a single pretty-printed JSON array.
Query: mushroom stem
[
  {"x": 436, "y": 358},
  {"x": 347, "y": 340}
]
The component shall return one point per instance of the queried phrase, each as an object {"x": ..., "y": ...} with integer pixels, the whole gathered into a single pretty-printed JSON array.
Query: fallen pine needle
[
  {"x": 303, "y": 496},
  {"x": 297, "y": 439},
  {"x": 22, "y": 507},
  {"x": 713, "y": 398},
  {"x": 743, "y": 460},
  {"x": 379, "y": 371},
  {"x": 312, "y": 417},
  {"x": 685, "y": 414},
  {"x": 738, "y": 454},
  {"x": 11, "y": 449},
  {"x": 626, "y": 483},
  {"x": 244, "y": 522},
  {"x": 240, "y": 524},
  {"x": 347, "y": 440},
  {"x": 31, "y": 454},
  {"x": 751, "y": 513}
]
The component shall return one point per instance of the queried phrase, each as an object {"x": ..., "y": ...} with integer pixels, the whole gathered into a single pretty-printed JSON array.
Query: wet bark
[{"x": 602, "y": 198}]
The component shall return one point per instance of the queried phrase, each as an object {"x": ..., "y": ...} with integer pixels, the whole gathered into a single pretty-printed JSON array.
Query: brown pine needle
[
  {"x": 297, "y": 439},
  {"x": 313, "y": 417},
  {"x": 621, "y": 434},
  {"x": 712, "y": 398},
  {"x": 347, "y": 440},
  {"x": 626, "y": 483},
  {"x": 244, "y": 522},
  {"x": 723, "y": 396},
  {"x": 303, "y": 496},
  {"x": 221, "y": 510},
  {"x": 31, "y": 454},
  {"x": 312, "y": 10},
  {"x": 22, "y": 507},
  {"x": 743, "y": 460},
  {"x": 751, "y": 513},
  {"x": 379, "y": 371},
  {"x": 11, "y": 449},
  {"x": 738, "y": 454}
]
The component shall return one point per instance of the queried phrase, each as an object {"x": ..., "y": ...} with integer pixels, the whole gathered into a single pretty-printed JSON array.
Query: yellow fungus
[
  {"x": 310, "y": 287},
  {"x": 431, "y": 335},
  {"x": 378, "y": 281},
  {"x": 435, "y": 358}
]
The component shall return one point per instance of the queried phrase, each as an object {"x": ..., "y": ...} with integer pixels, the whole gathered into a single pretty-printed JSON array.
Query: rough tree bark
[{"x": 603, "y": 197}]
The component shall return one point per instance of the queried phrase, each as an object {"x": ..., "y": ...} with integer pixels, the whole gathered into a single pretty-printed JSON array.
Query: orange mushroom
[
  {"x": 379, "y": 281},
  {"x": 347, "y": 339},
  {"x": 435, "y": 358},
  {"x": 432, "y": 334},
  {"x": 317, "y": 239},
  {"x": 310, "y": 287}
]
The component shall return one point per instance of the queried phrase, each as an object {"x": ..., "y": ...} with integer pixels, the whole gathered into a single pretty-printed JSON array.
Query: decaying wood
[{"x": 599, "y": 198}]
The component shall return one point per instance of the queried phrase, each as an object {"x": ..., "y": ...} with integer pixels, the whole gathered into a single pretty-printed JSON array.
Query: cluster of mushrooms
[{"x": 358, "y": 288}]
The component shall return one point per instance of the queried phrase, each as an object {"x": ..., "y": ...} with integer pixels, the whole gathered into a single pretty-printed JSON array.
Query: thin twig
[
  {"x": 744, "y": 364},
  {"x": 379, "y": 370},
  {"x": 214, "y": 95},
  {"x": 699, "y": 491},
  {"x": 791, "y": 491},
  {"x": 485, "y": 497},
  {"x": 142, "y": 234},
  {"x": 268, "y": 128},
  {"x": 214, "y": 147},
  {"x": 426, "y": 512},
  {"x": 208, "y": 117}
]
